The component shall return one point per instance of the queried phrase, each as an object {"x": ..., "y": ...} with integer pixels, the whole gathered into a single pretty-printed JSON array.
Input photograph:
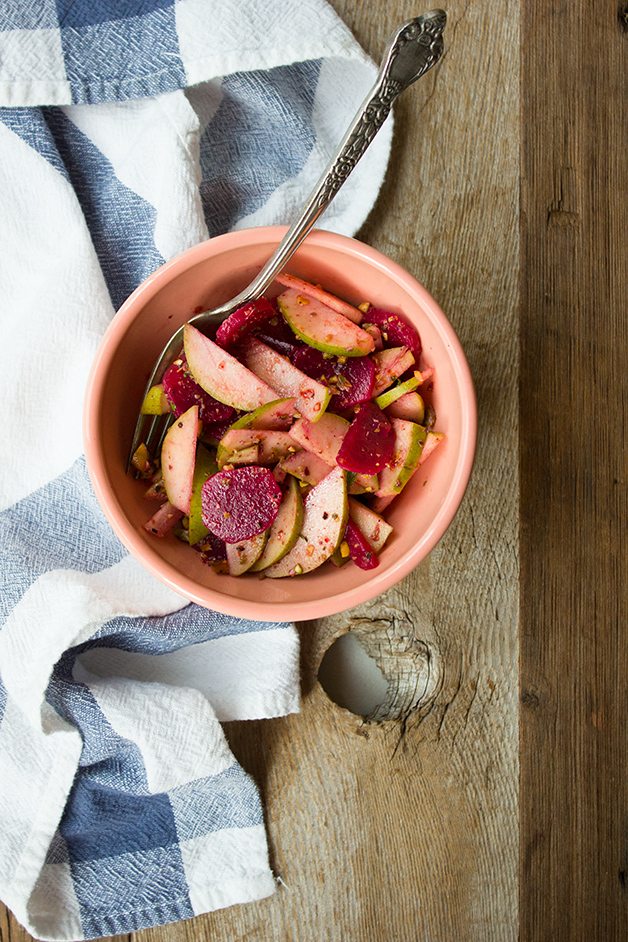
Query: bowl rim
[{"x": 375, "y": 584}]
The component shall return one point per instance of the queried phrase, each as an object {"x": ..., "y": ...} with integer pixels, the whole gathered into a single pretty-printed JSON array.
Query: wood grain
[
  {"x": 405, "y": 827},
  {"x": 574, "y": 665}
]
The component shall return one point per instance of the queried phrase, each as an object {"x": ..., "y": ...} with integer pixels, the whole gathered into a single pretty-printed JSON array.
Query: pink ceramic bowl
[{"x": 210, "y": 274}]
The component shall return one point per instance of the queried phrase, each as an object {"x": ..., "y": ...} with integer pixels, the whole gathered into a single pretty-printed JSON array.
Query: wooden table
[{"x": 485, "y": 799}]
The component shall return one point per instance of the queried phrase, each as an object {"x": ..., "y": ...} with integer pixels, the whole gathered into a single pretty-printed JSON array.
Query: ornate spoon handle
[{"x": 413, "y": 49}]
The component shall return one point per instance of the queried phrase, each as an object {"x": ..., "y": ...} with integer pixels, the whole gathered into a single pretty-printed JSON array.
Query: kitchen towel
[{"x": 129, "y": 131}]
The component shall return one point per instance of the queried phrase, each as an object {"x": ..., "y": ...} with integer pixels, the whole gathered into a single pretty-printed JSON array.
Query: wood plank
[
  {"x": 573, "y": 472},
  {"x": 405, "y": 827}
]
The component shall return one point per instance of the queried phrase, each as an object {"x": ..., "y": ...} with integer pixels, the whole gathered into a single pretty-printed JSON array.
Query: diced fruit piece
[
  {"x": 212, "y": 549},
  {"x": 390, "y": 364},
  {"x": 410, "y": 407},
  {"x": 373, "y": 526},
  {"x": 362, "y": 483},
  {"x": 155, "y": 402},
  {"x": 277, "y": 415},
  {"x": 241, "y": 503},
  {"x": 286, "y": 528},
  {"x": 205, "y": 466},
  {"x": 242, "y": 555},
  {"x": 362, "y": 553},
  {"x": 321, "y": 327},
  {"x": 396, "y": 331},
  {"x": 276, "y": 334},
  {"x": 269, "y": 446},
  {"x": 221, "y": 375},
  {"x": 178, "y": 454},
  {"x": 162, "y": 522},
  {"x": 243, "y": 321},
  {"x": 141, "y": 461},
  {"x": 432, "y": 441},
  {"x": 380, "y": 504},
  {"x": 182, "y": 392},
  {"x": 306, "y": 466},
  {"x": 375, "y": 333},
  {"x": 324, "y": 521},
  {"x": 319, "y": 294},
  {"x": 311, "y": 396},
  {"x": 368, "y": 447},
  {"x": 396, "y": 392},
  {"x": 324, "y": 437},
  {"x": 409, "y": 440}
]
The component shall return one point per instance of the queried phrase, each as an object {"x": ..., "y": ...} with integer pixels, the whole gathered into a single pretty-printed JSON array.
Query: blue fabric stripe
[
  {"x": 58, "y": 526},
  {"x": 227, "y": 800},
  {"x": 260, "y": 137},
  {"x": 31, "y": 126},
  {"x": 120, "y": 222}
]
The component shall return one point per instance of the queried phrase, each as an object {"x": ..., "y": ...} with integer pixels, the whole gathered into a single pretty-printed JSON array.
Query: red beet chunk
[
  {"x": 355, "y": 383},
  {"x": 275, "y": 333},
  {"x": 211, "y": 548},
  {"x": 243, "y": 321},
  {"x": 241, "y": 503},
  {"x": 182, "y": 392},
  {"x": 396, "y": 332},
  {"x": 369, "y": 445},
  {"x": 352, "y": 381},
  {"x": 361, "y": 551}
]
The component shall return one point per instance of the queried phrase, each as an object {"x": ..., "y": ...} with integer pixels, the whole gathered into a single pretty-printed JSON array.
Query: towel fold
[{"x": 130, "y": 131}]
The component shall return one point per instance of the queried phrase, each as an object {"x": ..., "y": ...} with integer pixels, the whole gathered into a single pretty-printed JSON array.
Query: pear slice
[
  {"x": 409, "y": 441},
  {"x": 325, "y": 517},
  {"x": 285, "y": 530},
  {"x": 323, "y": 328},
  {"x": 178, "y": 456},
  {"x": 311, "y": 397},
  {"x": 221, "y": 375},
  {"x": 205, "y": 466},
  {"x": 242, "y": 555}
]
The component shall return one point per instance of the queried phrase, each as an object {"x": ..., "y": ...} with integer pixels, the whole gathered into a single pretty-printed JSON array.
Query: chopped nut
[
  {"x": 298, "y": 569},
  {"x": 344, "y": 549},
  {"x": 364, "y": 306}
]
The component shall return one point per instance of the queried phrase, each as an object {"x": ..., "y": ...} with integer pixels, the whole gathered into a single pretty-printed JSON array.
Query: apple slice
[
  {"x": 409, "y": 440},
  {"x": 242, "y": 555},
  {"x": 325, "y": 516},
  {"x": 319, "y": 294},
  {"x": 322, "y": 328},
  {"x": 410, "y": 407},
  {"x": 285, "y": 530},
  {"x": 390, "y": 364},
  {"x": 391, "y": 395},
  {"x": 375, "y": 528},
  {"x": 269, "y": 447},
  {"x": 155, "y": 402},
  {"x": 204, "y": 468},
  {"x": 306, "y": 466},
  {"x": 432, "y": 441},
  {"x": 221, "y": 375},
  {"x": 277, "y": 416},
  {"x": 311, "y": 397},
  {"x": 324, "y": 437},
  {"x": 178, "y": 455}
]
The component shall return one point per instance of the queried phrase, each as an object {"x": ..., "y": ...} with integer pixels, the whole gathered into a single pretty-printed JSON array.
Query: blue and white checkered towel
[{"x": 121, "y": 805}]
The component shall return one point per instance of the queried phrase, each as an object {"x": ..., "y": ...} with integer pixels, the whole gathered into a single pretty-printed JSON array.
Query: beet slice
[
  {"x": 395, "y": 331},
  {"x": 183, "y": 392},
  {"x": 362, "y": 553},
  {"x": 369, "y": 445},
  {"x": 351, "y": 381},
  {"x": 276, "y": 334},
  {"x": 241, "y": 503},
  {"x": 243, "y": 321}
]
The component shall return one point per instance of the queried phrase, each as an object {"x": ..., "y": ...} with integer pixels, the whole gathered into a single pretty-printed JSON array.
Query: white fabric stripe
[
  {"x": 48, "y": 267},
  {"x": 152, "y": 144},
  {"x": 239, "y": 855},
  {"x": 38, "y": 765},
  {"x": 46, "y": 919},
  {"x": 174, "y": 728},
  {"x": 244, "y": 677},
  {"x": 62, "y": 609}
]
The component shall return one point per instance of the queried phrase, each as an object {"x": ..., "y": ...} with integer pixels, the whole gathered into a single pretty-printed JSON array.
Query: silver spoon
[{"x": 412, "y": 50}]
